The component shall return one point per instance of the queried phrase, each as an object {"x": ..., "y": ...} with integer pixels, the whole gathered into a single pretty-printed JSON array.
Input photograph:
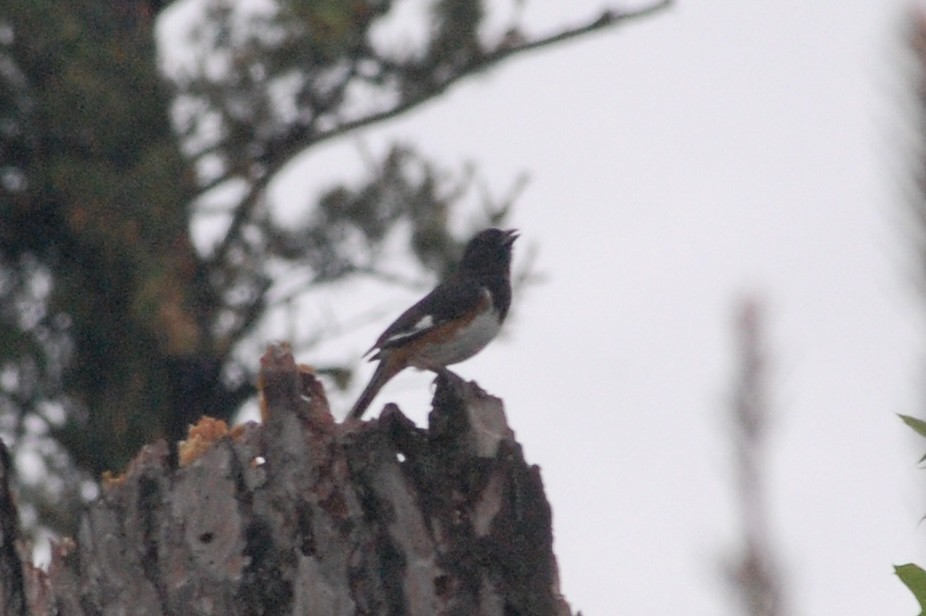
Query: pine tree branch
[
  {"x": 503, "y": 52},
  {"x": 302, "y": 137}
]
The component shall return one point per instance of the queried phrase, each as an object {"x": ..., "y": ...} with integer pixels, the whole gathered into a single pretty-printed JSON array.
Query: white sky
[{"x": 677, "y": 163}]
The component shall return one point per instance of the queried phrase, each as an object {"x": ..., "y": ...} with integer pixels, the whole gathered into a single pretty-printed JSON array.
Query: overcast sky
[{"x": 678, "y": 163}]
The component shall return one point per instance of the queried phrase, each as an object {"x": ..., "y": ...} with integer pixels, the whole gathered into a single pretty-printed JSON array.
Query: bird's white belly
[{"x": 468, "y": 341}]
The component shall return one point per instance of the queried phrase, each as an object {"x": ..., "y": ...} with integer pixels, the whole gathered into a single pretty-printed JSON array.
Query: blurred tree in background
[
  {"x": 115, "y": 329},
  {"x": 753, "y": 572}
]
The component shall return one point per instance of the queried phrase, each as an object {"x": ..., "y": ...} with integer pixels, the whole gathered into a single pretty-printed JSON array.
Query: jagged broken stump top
[{"x": 307, "y": 516}]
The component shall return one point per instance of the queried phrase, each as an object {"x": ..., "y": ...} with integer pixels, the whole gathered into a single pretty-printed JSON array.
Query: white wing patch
[{"x": 424, "y": 323}]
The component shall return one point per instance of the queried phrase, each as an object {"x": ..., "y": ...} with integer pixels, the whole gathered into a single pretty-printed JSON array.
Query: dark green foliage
[
  {"x": 110, "y": 317},
  {"x": 915, "y": 579},
  {"x": 114, "y": 329},
  {"x": 93, "y": 198},
  {"x": 912, "y": 575}
]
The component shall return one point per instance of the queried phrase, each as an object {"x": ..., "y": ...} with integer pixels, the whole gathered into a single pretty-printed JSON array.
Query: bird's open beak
[{"x": 510, "y": 236}]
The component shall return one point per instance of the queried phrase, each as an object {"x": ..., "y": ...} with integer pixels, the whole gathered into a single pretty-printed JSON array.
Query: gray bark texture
[{"x": 305, "y": 516}]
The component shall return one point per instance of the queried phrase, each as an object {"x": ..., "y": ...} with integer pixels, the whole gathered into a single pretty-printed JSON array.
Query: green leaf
[
  {"x": 915, "y": 579},
  {"x": 917, "y": 424}
]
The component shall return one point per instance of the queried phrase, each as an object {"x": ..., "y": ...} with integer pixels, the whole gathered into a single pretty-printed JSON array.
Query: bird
[{"x": 453, "y": 322}]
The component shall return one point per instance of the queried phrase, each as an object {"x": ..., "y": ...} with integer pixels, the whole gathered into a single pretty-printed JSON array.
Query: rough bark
[{"x": 302, "y": 515}]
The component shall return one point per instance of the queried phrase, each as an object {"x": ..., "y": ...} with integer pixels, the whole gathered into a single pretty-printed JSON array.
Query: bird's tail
[{"x": 384, "y": 371}]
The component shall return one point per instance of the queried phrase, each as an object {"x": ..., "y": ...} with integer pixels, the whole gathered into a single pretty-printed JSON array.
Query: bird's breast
[{"x": 461, "y": 344}]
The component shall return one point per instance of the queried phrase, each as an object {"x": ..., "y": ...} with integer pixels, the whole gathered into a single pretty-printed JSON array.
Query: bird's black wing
[{"x": 451, "y": 300}]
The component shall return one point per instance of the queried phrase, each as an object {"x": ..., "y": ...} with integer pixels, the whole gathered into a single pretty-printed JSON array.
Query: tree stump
[{"x": 305, "y": 516}]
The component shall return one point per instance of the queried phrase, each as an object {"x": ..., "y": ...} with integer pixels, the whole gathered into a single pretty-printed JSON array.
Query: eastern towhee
[{"x": 451, "y": 323}]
